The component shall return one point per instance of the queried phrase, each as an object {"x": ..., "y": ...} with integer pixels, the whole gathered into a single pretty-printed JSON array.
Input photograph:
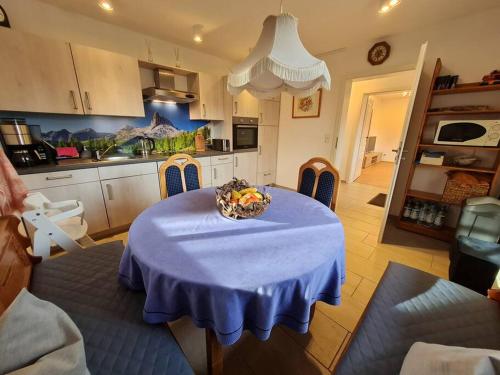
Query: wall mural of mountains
[{"x": 168, "y": 124}]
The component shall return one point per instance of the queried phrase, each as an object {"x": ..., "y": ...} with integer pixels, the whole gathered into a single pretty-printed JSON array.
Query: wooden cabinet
[
  {"x": 269, "y": 112},
  {"x": 210, "y": 105},
  {"x": 90, "y": 195},
  {"x": 267, "y": 152},
  {"x": 37, "y": 75},
  {"x": 127, "y": 197},
  {"x": 245, "y": 166},
  {"x": 109, "y": 82},
  {"x": 245, "y": 105}
]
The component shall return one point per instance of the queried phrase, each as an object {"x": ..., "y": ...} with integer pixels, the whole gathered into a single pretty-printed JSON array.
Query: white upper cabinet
[
  {"x": 245, "y": 105},
  {"x": 210, "y": 105},
  {"x": 109, "y": 82},
  {"x": 37, "y": 75},
  {"x": 269, "y": 112}
]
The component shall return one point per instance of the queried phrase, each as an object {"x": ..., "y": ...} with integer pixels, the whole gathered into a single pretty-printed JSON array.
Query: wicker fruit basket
[
  {"x": 238, "y": 200},
  {"x": 461, "y": 186}
]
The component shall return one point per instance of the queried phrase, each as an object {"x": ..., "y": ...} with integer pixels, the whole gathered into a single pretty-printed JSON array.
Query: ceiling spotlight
[
  {"x": 197, "y": 33},
  {"x": 106, "y": 5},
  {"x": 386, "y": 6}
]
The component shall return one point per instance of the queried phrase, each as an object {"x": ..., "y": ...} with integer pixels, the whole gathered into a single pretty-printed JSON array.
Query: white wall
[
  {"x": 387, "y": 124},
  {"x": 464, "y": 45},
  {"x": 46, "y": 20}
]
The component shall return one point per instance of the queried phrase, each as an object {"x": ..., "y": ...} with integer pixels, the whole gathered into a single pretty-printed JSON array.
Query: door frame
[{"x": 409, "y": 111}]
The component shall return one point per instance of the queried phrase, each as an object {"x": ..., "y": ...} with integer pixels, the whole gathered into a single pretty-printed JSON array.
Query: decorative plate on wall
[
  {"x": 308, "y": 106},
  {"x": 379, "y": 53},
  {"x": 4, "y": 20}
]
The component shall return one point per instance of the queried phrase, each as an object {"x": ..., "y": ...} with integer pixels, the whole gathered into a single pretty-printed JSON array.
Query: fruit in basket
[
  {"x": 235, "y": 195},
  {"x": 249, "y": 198},
  {"x": 248, "y": 190}
]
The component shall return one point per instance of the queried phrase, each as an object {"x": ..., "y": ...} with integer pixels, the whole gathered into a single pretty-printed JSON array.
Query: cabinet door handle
[
  {"x": 261, "y": 118},
  {"x": 75, "y": 104},
  {"x": 236, "y": 161},
  {"x": 260, "y": 150},
  {"x": 215, "y": 173},
  {"x": 226, "y": 158},
  {"x": 267, "y": 174},
  {"x": 109, "y": 189},
  {"x": 204, "y": 110},
  {"x": 52, "y": 178},
  {"x": 87, "y": 99},
  {"x": 235, "y": 108}
]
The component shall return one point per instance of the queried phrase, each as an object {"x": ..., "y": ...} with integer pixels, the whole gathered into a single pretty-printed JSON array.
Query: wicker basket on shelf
[{"x": 461, "y": 186}]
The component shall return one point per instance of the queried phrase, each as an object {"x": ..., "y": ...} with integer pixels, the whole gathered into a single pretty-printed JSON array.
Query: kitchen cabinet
[
  {"x": 109, "y": 82},
  {"x": 269, "y": 112},
  {"x": 127, "y": 197},
  {"x": 266, "y": 178},
  {"x": 90, "y": 194},
  {"x": 267, "y": 152},
  {"x": 245, "y": 166},
  {"x": 210, "y": 105},
  {"x": 245, "y": 105},
  {"x": 222, "y": 169},
  {"x": 206, "y": 172},
  {"x": 37, "y": 75}
]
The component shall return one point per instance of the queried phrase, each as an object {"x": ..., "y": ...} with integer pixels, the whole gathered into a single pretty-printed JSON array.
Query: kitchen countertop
[{"x": 72, "y": 164}]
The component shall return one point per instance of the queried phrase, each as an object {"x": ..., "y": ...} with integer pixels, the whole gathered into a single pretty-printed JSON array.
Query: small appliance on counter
[
  {"x": 219, "y": 144},
  {"x": 23, "y": 143},
  {"x": 245, "y": 132}
]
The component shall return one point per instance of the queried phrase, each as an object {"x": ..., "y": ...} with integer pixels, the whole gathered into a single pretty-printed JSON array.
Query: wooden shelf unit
[{"x": 446, "y": 233}]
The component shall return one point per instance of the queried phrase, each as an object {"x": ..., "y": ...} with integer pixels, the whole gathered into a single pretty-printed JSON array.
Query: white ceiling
[{"x": 231, "y": 27}]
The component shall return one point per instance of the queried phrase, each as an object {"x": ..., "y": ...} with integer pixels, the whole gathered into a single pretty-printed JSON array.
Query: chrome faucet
[{"x": 98, "y": 154}]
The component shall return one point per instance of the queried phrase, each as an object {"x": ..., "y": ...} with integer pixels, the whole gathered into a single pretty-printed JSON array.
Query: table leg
[
  {"x": 313, "y": 310},
  {"x": 215, "y": 356}
]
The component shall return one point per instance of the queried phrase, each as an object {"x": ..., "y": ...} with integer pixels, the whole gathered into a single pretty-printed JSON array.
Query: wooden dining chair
[
  {"x": 179, "y": 173},
  {"x": 319, "y": 179}
]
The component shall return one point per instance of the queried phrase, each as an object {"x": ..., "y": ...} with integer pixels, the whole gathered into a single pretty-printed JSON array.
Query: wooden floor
[
  {"x": 379, "y": 174},
  {"x": 289, "y": 353}
]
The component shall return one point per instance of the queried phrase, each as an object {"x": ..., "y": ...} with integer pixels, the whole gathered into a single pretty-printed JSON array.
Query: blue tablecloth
[{"x": 233, "y": 275}]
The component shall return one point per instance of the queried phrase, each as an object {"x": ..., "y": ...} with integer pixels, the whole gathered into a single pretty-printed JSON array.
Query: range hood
[{"x": 166, "y": 89}]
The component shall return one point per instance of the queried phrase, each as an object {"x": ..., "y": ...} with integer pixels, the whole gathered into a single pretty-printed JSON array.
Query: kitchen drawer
[
  {"x": 117, "y": 171},
  {"x": 62, "y": 178},
  {"x": 221, "y": 159},
  {"x": 205, "y": 161}
]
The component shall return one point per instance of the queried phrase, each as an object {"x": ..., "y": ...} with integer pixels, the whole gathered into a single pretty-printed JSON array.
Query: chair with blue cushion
[
  {"x": 318, "y": 179},
  {"x": 178, "y": 174}
]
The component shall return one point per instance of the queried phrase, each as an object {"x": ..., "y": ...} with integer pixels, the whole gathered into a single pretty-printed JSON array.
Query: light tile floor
[{"x": 289, "y": 353}]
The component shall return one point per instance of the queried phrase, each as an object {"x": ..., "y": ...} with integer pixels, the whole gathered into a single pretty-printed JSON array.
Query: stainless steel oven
[{"x": 245, "y": 132}]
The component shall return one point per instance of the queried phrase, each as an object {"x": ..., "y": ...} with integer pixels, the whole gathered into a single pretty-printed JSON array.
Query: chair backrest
[
  {"x": 179, "y": 173},
  {"x": 15, "y": 262},
  {"x": 480, "y": 219},
  {"x": 318, "y": 179}
]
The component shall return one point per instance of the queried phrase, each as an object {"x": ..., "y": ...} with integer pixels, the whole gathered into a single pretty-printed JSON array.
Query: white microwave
[{"x": 468, "y": 133}]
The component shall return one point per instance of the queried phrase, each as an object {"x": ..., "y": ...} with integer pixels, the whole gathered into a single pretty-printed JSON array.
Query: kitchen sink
[{"x": 117, "y": 157}]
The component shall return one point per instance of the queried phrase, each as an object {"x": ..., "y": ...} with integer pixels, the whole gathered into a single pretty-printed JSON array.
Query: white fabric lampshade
[{"x": 279, "y": 62}]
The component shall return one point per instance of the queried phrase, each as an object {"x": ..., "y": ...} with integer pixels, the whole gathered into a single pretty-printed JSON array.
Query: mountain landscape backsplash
[{"x": 169, "y": 125}]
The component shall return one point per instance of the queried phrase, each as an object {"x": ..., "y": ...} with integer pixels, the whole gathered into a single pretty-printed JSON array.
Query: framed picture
[
  {"x": 4, "y": 20},
  {"x": 307, "y": 107}
]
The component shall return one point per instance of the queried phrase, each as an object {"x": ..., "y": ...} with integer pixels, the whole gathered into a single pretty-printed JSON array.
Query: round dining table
[{"x": 230, "y": 275}]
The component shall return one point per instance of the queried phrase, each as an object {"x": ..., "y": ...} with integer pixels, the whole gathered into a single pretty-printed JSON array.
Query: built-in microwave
[
  {"x": 245, "y": 132},
  {"x": 468, "y": 133}
]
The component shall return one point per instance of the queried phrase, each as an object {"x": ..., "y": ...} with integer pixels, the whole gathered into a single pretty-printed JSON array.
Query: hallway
[{"x": 378, "y": 175}]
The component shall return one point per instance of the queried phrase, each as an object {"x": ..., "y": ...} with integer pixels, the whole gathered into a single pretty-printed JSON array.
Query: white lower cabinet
[
  {"x": 206, "y": 172},
  {"x": 127, "y": 197},
  {"x": 222, "y": 173},
  {"x": 245, "y": 166},
  {"x": 267, "y": 154},
  {"x": 90, "y": 194}
]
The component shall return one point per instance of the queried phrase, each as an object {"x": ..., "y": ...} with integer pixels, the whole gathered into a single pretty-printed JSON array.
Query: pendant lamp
[{"x": 279, "y": 62}]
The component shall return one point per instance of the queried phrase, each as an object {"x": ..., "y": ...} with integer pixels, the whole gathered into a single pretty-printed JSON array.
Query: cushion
[
  {"x": 409, "y": 306},
  {"x": 109, "y": 316}
]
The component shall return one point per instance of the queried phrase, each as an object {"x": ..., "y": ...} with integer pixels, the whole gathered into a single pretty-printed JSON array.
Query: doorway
[{"x": 381, "y": 126}]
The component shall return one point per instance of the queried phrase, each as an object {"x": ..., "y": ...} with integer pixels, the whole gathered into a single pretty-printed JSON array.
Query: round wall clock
[{"x": 379, "y": 53}]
